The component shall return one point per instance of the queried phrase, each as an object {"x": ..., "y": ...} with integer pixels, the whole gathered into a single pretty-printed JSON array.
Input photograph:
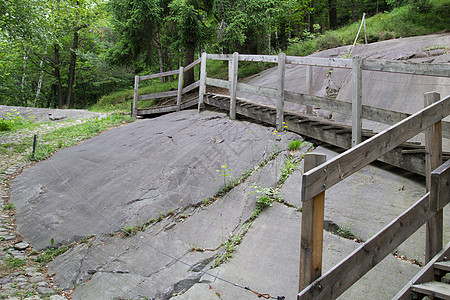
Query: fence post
[
  {"x": 356, "y": 100},
  {"x": 202, "y": 88},
  {"x": 309, "y": 74},
  {"x": 233, "y": 85},
  {"x": 180, "y": 88},
  {"x": 280, "y": 95},
  {"x": 433, "y": 159},
  {"x": 312, "y": 229},
  {"x": 136, "y": 95}
]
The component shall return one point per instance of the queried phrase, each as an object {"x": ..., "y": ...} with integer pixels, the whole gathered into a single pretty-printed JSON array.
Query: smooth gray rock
[
  {"x": 134, "y": 172},
  {"x": 359, "y": 204},
  {"x": 267, "y": 261},
  {"x": 21, "y": 246}
]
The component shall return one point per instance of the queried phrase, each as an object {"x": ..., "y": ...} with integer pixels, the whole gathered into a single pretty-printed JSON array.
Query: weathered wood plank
[
  {"x": 426, "y": 274},
  {"x": 219, "y": 56},
  {"x": 312, "y": 230},
  {"x": 218, "y": 82},
  {"x": 440, "y": 185},
  {"x": 434, "y": 289},
  {"x": 359, "y": 262},
  {"x": 135, "y": 95},
  {"x": 347, "y": 163},
  {"x": 192, "y": 64},
  {"x": 315, "y": 101},
  {"x": 257, "y": 90},
  {"x": 158, "y": 95},
  {"x": 443, "y": 265},
  {"x": 433, "y": 158},
  {"x": 259, "y": 58},
  {"x": 320, "y": 61},
  {"x": 157, "y": 75},
  {"x": 233, "y": 85},
  {"x": 158, "y": 110},
  {"x": 180, "y": 88},
  {"x": 280, "y": 90},
  {"x": 191, "y": 87},
  {"x": 441, "y": 70},
  {"x": 309, "y": 78},
  {"x": 202, "y": 87},
  {"x": 356, "y": 100}
]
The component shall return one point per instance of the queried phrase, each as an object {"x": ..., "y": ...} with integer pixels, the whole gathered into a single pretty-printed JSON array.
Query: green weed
[
  {"x": 294, "y": 145},
  {"x": 9, "y": 206}
]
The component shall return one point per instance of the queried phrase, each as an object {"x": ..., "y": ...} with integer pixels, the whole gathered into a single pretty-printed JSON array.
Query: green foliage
[
  {"x": 295, "y": 145},
  {"x": 13, "y": 263},
  {"x": 68, "y": 136},
  {"x": 13, "y": 121},
  {"x": 9, "y": 206},
  {"x": 225, "y": 173},
  {"x": 50, "y": 254}
]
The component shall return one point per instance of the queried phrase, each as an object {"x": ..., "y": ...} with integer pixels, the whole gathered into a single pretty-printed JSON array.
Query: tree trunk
[
  {"x": 189, "y": 75},
  {"x": 39, "y": 85},
  {"x": 160, "y": 56},
  {"x": 22, "y": 83},
  {"x": 332, "y": 14},
  {"x": 58, "y": 77},
  {"x": 311, "y": 17},
  {"x": 72, "y": 65},
  {"x": 283, "y": 36}
]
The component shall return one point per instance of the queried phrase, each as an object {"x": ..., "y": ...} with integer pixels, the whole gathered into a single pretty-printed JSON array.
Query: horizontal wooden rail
[
  {"x": 219, "y": 56},
  {"x": 157, "y": 75},
  {"x": 359, "y": 262},
  {"x": 191, "y": 87},
  {"x": 440, "y": 185},
  {"x": 218, "y": 82},
  {"x": 259, "y": 58},
  {"x": 192, "y": 64},
  {"x": 257, "y": 90},
  {"x": 333, "y": 171},
  {"x": 320, "y": 61},
  {"x": 441, "y": 70},
  {"x": 158, "y": 95}
]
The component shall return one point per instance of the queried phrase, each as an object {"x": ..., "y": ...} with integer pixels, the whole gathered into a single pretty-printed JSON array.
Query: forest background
[{"x": 85, "y": 53}]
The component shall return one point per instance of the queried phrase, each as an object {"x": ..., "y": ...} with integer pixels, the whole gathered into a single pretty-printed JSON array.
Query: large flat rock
[
  {"x": 133, "y": 173},
  {"x": 370, "y": 199},
  {"x": 267, "y": 261}
]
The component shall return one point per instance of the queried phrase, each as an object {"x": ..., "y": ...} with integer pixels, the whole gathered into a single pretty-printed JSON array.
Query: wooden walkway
[{"x": 409, "y": 156}]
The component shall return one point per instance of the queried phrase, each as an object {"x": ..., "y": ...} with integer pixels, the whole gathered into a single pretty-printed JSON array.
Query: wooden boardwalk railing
[
  {"x": 427, "y": 210},
  {"x": 179, "y": 92},
  {"x": 314, "y": 285}
]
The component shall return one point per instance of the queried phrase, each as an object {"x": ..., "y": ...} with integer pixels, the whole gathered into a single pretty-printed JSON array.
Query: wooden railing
[
  {"x": 178, "y": 93},
  {"x": 429, "y": 209},
  {"x": 355, "y": 108}
]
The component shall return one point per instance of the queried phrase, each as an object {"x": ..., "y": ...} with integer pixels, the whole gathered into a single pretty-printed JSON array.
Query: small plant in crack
[
  {"x": 265, "y": 198},
  {"x": 225, "y": 173},
  {"x": 230, "y": 245},
  {"x": 346, "y": 232},
  {"x": 295, "y": 145}
]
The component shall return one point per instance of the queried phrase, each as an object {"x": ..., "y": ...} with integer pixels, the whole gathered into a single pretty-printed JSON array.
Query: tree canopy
[{"x": 68, "y": 53}]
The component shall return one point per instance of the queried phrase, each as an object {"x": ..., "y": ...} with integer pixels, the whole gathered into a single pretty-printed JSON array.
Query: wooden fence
[
  {"x": 355, "y": 108},
  {"x": 178, "y": 93},
  {"x": 322, "y": 175}
]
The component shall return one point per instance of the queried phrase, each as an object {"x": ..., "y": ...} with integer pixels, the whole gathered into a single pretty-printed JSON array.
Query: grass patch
[
  {"x": 9, "y": 206},
  {"x": 11, "y": 264},
  {"x": 68, "y": 136}
]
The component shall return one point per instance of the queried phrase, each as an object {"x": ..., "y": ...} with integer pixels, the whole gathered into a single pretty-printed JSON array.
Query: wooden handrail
[
  {"x": 359, "y": 262},
  {"x": 333, "y": 171}
]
